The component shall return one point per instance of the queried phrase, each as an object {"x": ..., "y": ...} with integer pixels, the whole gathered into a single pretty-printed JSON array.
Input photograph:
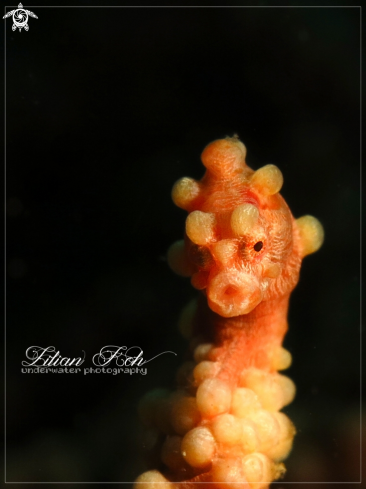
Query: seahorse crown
[{"x": 242, "y": 244}]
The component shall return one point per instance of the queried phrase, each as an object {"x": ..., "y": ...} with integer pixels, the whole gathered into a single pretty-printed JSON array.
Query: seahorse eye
[{"x": 258, "y": 246}]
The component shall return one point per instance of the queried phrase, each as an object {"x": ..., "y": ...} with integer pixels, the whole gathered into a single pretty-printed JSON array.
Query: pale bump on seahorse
[{"x": 243, "y": 249}]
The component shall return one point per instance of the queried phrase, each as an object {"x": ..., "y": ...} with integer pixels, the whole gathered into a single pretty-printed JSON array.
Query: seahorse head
[{"x": 242, "y": 245}]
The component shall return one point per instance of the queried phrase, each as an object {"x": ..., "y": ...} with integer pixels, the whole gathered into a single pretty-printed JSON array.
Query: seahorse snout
[{"x": 233, "y": 293}]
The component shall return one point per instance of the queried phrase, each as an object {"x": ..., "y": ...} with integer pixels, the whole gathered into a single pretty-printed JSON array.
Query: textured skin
[{"x": 243, "y": 249}]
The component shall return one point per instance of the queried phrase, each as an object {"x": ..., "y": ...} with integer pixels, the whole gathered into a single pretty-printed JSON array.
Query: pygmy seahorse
[{"x": 243, "y": 249}]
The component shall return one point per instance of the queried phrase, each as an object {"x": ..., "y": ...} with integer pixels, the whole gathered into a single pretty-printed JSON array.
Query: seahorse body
[{"x": 243, "y": 249}]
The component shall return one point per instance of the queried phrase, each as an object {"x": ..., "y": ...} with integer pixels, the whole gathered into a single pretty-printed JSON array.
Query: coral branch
[{"x": 243, "y": 249}]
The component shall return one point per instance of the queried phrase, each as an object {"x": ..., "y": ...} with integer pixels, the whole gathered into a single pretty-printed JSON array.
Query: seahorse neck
[{"x": 244, "y": 341}]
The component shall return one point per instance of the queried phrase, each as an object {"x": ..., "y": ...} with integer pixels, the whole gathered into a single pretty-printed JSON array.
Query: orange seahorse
[{"x": 243, "y": 249}]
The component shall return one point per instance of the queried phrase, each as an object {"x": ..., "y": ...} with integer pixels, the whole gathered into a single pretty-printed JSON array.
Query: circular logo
[{"x": 20, "y": 18}]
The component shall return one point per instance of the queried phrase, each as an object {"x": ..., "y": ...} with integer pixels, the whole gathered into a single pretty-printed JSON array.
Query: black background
[{"x": 106, "y": 108}]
